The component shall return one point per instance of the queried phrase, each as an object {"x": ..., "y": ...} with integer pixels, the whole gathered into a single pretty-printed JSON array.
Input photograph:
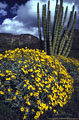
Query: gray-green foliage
[{"x": 56, "y": 42}]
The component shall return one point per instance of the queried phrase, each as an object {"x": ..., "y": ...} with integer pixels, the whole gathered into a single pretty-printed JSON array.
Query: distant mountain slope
[{"x": 9, "y": 41}]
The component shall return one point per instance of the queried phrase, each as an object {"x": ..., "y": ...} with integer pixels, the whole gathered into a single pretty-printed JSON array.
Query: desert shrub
[
  {"x": 72, "y": 67},
  {"x": 6, "y": 113},
  {"x": 71, "y": 63},
  {"x": 33, "y": 82}
]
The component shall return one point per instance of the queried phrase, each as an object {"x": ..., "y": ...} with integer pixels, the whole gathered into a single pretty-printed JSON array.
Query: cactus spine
[{"x": 57, "y": 42}]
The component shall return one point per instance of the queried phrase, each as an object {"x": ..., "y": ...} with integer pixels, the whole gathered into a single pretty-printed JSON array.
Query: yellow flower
[
  {"x": 33, "y": 110},
  {"x": 61, "y": 104},
  {"x": 17, "y": 92},
  {"x": 48, "y": 86},
  {"x": 8, "y": 78},
  {"x": 9, "y": 89},
  {"x": 27, "y": 102},
  {"x": 46, "y": 90},
  {"x": 27, "y": 110},
  {"x": 36, "y": 94},
  {"x": 25, "y": 85},
  {"x": 31, "y": 94},
  {"x": 38, "y": 113},
  {"x": 1, "y": 92},
  {"x": 36, "y": 117},
  {"x": 54, "y": 111},
  {"x": 53, "y": 66},
  {"x": 22, "y": 109},
  {"x": 50, "y": 108},
  {"x": 53, "y": 104},
  {"x": 32, "y": 75},
  {"x": 46, "y": 108},
  {"x": 45, "y": 82},
  {"x": 25, "y": 97},
  {"x": 31, "y": 70},
  {"x": 8, "y": 71},
  {"x": 9, "y": 99},
  {"x": 26, "y": 66},
  {"x": 25, "y": 116},
  {"x": 19, "y": 61},
  {"x": 39, "y": 88},
  {"x": 1, "y": 74},
  {"x": 41, "y": 112},
  {"x": 14, "y": 97},
  {"x": 38, "y": 101},
  {"x": 55, "y": 72},
  {"x": 13, "y": 76}
]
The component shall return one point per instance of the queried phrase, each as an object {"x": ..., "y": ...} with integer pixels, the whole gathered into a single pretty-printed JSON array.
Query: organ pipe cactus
[
  {"x": 39, "y": 26},
  {"x": 59, "y": 41},
  {"x": 70, "y": 40}
]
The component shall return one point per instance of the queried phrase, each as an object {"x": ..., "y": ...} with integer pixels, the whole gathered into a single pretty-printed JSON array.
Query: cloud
[
  {"x": 15, "y": 27},
  {"x": 28, "y": 13},
  {"x": 3, "y": 7},
  {"x": 3, "y": 13},
  {"x": 25, "y": 20},
  {"x": 14, "y": 8}
]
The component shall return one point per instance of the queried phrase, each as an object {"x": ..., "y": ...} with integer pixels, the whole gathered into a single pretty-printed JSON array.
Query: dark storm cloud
[
  {"x": 14, "y": 8},
  {"x": 28, "y": 12},
  {"x": 3, "y": 11},
  {"x": 25, "y": 20},
  {"x": 3, "y": 5}
]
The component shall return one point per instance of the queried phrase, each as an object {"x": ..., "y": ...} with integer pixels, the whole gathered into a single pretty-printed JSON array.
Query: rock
[{"x": 9, "y": 41}]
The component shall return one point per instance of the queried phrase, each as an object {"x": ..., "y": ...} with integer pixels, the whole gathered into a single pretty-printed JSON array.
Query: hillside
[{"x": 9, "y": 41}]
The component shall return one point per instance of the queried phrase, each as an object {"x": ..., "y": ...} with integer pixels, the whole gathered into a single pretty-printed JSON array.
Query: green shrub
[
  {"x": 33, "y": 82},
  {"x": 6, "y": 113},
  {"x": 72, "y": 67}
]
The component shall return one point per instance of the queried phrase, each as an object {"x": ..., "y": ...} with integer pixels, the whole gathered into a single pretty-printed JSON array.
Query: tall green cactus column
[
  {"x": 44, "y": 26},
  {"x": 56, "y": 42},
  {"x": 49, "y": 30},
  {"x": 39, "y": 26},
  {"x": 65, "y": 37},
  {"x": 55, "y": 31},
  {"x": 70, "y": 40},
  {"x": 59, "y": 26}
]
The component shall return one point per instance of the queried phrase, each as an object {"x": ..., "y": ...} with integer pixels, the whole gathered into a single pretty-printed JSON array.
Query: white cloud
[
  {"x": 15, "y": 27},
  {"x": 28, "y": 13},
  {"x": 26, "y": 19}
]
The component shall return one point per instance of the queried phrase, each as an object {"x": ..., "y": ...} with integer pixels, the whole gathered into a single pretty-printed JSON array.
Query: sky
[{"x": 20, "y": 16}]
